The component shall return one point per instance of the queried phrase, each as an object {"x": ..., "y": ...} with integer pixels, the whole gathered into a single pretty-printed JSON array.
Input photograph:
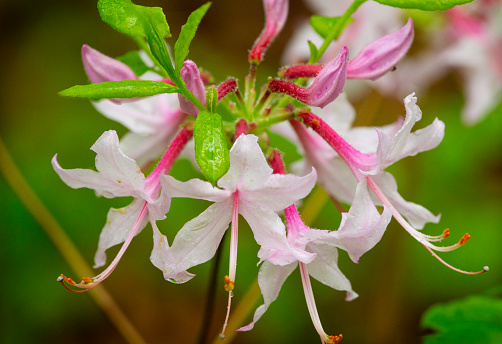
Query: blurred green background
[{"x": 397, "y": 281}]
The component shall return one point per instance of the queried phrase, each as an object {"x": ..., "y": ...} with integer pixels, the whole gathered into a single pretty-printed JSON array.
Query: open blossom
[
  {"x": 119, "y": 176},
  {"x": 326, "y": 87},
  {"x": 276, "y": 13},
  {"x": 361, "y": 228}
]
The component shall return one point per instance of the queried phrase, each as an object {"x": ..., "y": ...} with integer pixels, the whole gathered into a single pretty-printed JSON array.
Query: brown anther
[
  {"x": 464, "y": 239},
  {"x": 315, "y": 123},
  {"x": 335, "y": 339},
  {"x": 86, "y": 280},
  {"x": 446, "y": 233}
]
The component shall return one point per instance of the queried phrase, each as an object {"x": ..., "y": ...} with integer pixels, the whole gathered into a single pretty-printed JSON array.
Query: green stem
[
  {"x": 337, "y": 30},
  {"x": 64, "y": 245},
  {"x": 266, "y": 122}
]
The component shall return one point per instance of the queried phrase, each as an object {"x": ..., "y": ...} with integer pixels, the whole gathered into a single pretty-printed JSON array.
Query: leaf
[
  {"x": 324, "y": 25},
  {"x": 475, "y": 319},
  {"x": 313, "y": 51},
  {"x": 211, "y": 151},
  {"x": 119, "y": 89},
  {"x": 187, "y": 34},
  {"x": 133, "y": 60},
  {"x": 131, "y": 19},
  {"x": 211, "y": 99},
  {"x": 425, "y": 5},
  {"x": 159, "y": 50}
]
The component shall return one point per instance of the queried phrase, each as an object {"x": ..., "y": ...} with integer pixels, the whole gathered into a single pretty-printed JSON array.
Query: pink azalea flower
[
  {"x": 361, "y": 228},
  {"x": 276, "y": 13},
  {"x": 391, "y": 148},
  {"x": 119, "y": 176},
  {"x": 191, "y": 76},
  {"x": 326, "y": 87},
  {"x": 248, "y": 188}
]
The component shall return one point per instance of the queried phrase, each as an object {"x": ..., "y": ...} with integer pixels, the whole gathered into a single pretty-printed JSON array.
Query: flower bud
[
  {"x": 102, "y": 68},
  {"x": 193, "y": 81},
  {"x": 382, "y": 55},
  {"x": 276, "y": 12},
  {"x": 327, "y": 85}
]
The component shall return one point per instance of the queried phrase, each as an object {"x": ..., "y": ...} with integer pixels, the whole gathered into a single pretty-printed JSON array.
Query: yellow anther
[
  {"x": 334, "y": 339},
  {"x": 86, "y": 280},
  {"x": 446, "y": 233},
  {"x": 229, "y": 285},
  {"x": 464, "y": 239}
]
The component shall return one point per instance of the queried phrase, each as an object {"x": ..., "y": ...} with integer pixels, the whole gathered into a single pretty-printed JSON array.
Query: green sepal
[
  {"x": 119, "y": 89},
  {"x": 131, "y": 19},
  {"x": 425, "y": 5},
  {"x": 187, "y": 34},
  {"x": 211, "y": 99},
  {"x": 134, "y": 61},
  {"x": 211, "y": 150},
  {"x": 324, "y": 25}
]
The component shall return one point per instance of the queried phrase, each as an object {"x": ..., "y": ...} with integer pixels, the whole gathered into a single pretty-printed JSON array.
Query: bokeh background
[{"x": 397, "y": 281}]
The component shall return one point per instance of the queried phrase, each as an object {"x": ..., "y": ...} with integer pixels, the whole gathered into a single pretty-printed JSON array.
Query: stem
[
  {"x": 64, "y": 245},
  {"x": 337, "y": 30},
  {"x": 268, "y": 121},
  {"x": 211, "y": 295}
]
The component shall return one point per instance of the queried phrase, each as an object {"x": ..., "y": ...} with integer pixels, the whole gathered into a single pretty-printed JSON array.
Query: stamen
[
  {"x": 485, "y": 268},
  {"x": 464, "y": 239},
  {"x": 86, "y": 280},
  {"x": 446, "y": 233},
  {"x": 229, "y": 285},
  {"x": 335, "y": 339}
]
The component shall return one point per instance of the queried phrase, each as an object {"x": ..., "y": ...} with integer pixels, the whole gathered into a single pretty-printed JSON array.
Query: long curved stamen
[
  {"x": 230, "y": 279},
  {"x": 422, "y": 238},
  {"x": 309, "y": 297},
  {"x": 90, "y": 283}
]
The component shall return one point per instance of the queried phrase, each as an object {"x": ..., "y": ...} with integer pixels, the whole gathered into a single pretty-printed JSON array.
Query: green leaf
[
  {"x": 313, "y": 51},
  {"x": 211, "y": 99},
  {"x": 119, "y": 89},
  {"x": 211, "y": 150},
  {"x": 324, "y": 25},
  {"x": 131, "y": 19},
  {"x": 134, "y": 61},
  {"x": 187, "y": 34},
  {"x": 475, "y": 319},
  {"x": 159, "y": 50},
  {"x": 425, "y": 5}
]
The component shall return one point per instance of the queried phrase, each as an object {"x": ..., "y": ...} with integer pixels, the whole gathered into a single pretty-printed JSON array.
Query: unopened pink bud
[
  {"x": 226, "y": 87},
  {"x": 276, "y": 12},
  {"x": 193, "y": 81},
  {"x": 102, "y": 68},
  {"x": 380, "y": 56},
  {"x": 327, "y": 85}
]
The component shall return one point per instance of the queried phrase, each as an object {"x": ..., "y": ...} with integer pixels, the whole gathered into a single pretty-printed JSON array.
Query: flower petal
[
  {"x": 281, "y": 190},
  {"x": 325, "y": 269},
  {"x": 248, "y": 167},
  {"x": 117, "y": 176},
  {"x": 101, "y": 68},
  {"x": 270, "y": 278},
  {"x": 416, "y": 215},
  {"x": 119, "y": 223},
  {"x": 194, "y": 188},
  {"x": 197, "y": 241}
]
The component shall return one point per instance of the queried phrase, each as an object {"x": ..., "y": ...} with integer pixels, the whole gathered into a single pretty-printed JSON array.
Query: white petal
[
  {"x": 118, "y": 175},
  {"x": 362, "y": 227},
  {"x": 119, "y": 223},
  {"x": 248, "y": 167},
  {"x": 280, "y": 191},
  {"x": 270, "y": 278},
  {"x": 269, "y": 232},
  {"x": 194, "y": 188},
  {"x": 325, "y": 269},
  {"x": 197, "y": 241}
]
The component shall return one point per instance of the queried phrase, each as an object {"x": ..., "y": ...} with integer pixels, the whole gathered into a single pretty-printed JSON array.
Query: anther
[
  {"x": 335, "y": 339},
  {"x": 229, "y": 285},
  {"x": 315, "y": 123},
  {"x": 464, "y": 239},
  {"x": 86, "y": 280},
  {"x": 446, "y": 233}
]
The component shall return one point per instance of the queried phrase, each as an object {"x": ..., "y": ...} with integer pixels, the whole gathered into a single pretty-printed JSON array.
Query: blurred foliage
[{"x": 396, "y": 281}]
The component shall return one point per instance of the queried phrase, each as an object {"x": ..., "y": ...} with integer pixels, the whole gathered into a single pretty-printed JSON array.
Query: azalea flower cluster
[{"x": 250, "y": 177}]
